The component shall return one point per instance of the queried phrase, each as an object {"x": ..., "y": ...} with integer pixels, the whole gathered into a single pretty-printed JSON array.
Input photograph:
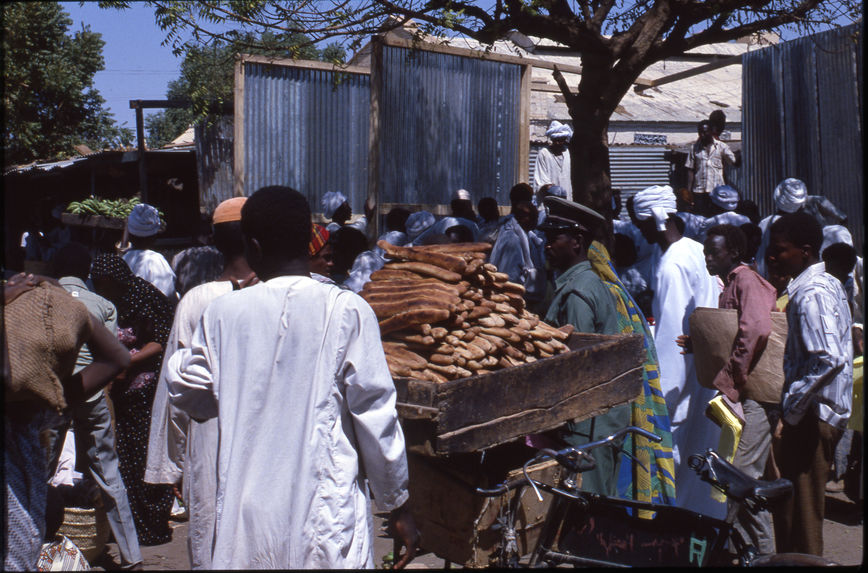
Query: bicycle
[{"x": 586, "y": 529}]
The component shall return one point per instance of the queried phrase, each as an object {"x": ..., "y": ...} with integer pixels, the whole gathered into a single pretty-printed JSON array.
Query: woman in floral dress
[{"x": 144, "y": 322}]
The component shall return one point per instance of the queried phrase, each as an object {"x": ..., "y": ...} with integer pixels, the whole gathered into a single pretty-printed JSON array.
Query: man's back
[{"x": 301, "y": 397}]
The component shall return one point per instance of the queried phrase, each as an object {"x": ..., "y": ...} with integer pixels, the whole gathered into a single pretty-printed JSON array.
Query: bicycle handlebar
[{"x": 568, "y": 457}]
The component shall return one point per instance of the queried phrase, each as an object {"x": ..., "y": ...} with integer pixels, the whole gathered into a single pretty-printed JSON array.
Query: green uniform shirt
[{"x": 581, "y": 299}]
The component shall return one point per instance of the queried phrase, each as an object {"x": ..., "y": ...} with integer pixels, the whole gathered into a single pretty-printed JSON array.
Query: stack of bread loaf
[{"x": 445, "y": 314}]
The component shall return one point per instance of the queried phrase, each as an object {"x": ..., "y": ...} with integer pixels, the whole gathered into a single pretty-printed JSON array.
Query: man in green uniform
[{"x": 582, "y": 300}]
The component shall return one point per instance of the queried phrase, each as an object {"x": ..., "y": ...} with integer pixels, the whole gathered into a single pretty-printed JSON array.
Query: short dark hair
[
  {"x": 71, "y": 260},
  {"x": 734, "y": 237},
  {"x": 348, "y": 243},
  {"x": 462, "y": 233},
  {"x": 520, "y": 192},
  {"x": 702, "y": 122},
  {"x": 396, "y": 219},
  {"x": 279, "y": 219},
  {"x": 717, "y": 119},
  {"x": 754, "y": 236},
  {"x": 487, "y": 206},
  {"x": 228, "y": 239},
  {"x": 799, "y": 228},
  {"x": 841, "y": 255}
]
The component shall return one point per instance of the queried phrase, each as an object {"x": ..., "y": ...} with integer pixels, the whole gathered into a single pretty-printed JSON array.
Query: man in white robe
[
  {"x": 553, "y": 162},
  {"x": 179, "y": 447},
  {"x": 294, "y": 373},
  {"x": 681, "y": 283},
  {"x": 143, "y": 225}
]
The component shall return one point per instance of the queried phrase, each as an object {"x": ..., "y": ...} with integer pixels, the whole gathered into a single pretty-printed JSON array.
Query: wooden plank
[
  {"x": 686, "y": 74},
  {"x": 308, "y": 64},
  {"x": 455, "y": 51},
  {"x": 238, "y": 150},
  {"x": 417, "y": 392},
  {"x": 374, "y": 132},
  {"x": 586, "y": 404},
  {"x": 524, "y": 124},
  {"x": 538, "y": 385}
]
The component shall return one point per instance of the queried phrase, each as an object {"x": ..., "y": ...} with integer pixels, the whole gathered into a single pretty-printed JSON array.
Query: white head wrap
[
  {"x": 417, "y": 223},
  {"x": 725, "y": 197},
  {"x": 462, "y": 194},
  {"x": 393, "y": 238},
  {"x": 835, "y": 234},
  {"x": 790, "y": 194},
  {"x": 143, "y": 221},
  {"x": 331, "y": 201},
  {"x": 558, "y": 129},
  {"x": 657, "y": 201}
]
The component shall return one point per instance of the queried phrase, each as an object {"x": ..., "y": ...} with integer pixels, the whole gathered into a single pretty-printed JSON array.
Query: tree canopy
[
  {"x": 49, "y": 101},
  {"x": 617, "y": 40}
]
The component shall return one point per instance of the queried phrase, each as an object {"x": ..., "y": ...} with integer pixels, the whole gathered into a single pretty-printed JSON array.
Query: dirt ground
[{"x": 842, "y": 533}]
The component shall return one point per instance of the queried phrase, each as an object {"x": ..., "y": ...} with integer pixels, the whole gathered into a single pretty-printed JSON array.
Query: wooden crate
[
  {"x": 92, "y": 221},
  {"x": 461, "y": 526},
  {"x": 471, "y": 414}
]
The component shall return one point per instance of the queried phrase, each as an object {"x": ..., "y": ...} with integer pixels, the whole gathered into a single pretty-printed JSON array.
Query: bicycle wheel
[{"x": 791, "y": 560}]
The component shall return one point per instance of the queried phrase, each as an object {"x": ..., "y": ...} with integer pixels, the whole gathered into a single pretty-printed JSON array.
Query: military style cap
[{"x": 565, "y": 215}]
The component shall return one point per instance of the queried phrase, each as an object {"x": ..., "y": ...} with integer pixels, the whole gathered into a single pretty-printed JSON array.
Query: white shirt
[
  {"x": 295, "y": 374},
  {"x": 180, "y": 447},
  {"x": 681, "y": 283},
  {"x": 551, "y": 168},
  {"x": 154, "y": 268}
]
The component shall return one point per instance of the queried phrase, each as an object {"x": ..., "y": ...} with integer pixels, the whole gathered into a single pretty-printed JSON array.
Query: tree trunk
[{"x": 600, "y": 91}]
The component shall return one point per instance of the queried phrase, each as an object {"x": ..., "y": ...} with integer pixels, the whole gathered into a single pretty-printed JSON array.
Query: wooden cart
[{"x": 468, "y": 433}]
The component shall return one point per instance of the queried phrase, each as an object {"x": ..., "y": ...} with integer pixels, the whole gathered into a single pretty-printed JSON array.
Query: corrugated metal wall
[
  {"x": 636, "y": 167},
  {"x": 802, "y": 117},
  {"x": 214, "y": 153},
  {"x": 308, "y": 129},
  {"x": 447, "y": 122}
]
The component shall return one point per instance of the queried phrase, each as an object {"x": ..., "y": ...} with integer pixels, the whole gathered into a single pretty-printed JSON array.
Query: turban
[
  {"x": 228, "y": 211},
  {"x": 393, "y": 238},
  {"x": 331, "y": 201},
  {"x": 790, "y": 195},
  {"x": 835, "y": 234},
  {"x": 725, "y": 197},
  {"x": 557, "y": 191},
  {"x": 319, "y": 237},
  {"x": 462, "y": 194},
  {"x": 558, "y": 130},
  {"x": 656, "y": 201},
  {"x": 417, "y": 223},
  {"x": 143, "y": 221}
]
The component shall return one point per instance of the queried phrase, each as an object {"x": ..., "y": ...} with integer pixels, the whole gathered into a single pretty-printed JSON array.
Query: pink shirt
[{"x": 754, "y": 298}]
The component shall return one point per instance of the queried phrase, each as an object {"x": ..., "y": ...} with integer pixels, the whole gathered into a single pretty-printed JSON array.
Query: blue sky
[{"x": 136, "y": 65}]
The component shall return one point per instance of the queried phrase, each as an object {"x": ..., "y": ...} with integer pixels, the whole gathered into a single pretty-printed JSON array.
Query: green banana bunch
[{"x": 111, "y": 208}]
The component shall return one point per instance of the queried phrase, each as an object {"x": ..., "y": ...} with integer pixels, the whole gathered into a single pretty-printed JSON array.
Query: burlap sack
[
  {"x": 713, "y": 330},
  {"x": 45, "y": 327}
]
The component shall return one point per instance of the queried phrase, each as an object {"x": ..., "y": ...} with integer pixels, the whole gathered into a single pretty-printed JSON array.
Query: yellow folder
[{"x": 730, "y": 433}]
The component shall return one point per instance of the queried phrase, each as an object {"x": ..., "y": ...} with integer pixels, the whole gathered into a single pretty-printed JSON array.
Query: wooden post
[
  {"x": 374, "y": 133},
  {"x": 524, "y": 127},
  {"x": 140, "y": 137},
  {"x": 238, "y": 151}
]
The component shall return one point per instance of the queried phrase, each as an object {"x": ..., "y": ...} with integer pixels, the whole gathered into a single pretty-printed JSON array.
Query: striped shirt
[{"x": 818, "y": 360}]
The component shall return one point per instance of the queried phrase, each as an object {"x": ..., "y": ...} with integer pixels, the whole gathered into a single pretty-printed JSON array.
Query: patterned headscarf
[
  {"x": 331, "y": 201},
  {"x": 319, "y": 237},
  {"x": 725, "y": 197},
  {"x": 139, "y": 302},
  {"x": 790, "y": 195}
]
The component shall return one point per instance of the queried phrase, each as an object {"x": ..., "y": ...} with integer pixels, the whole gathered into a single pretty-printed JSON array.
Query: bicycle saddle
[{"x": 735, "y": 483}]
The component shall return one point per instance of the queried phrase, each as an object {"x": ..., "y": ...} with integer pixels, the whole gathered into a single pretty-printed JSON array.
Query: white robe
[
  {"x": 551, "y": 168},
  {"x": 682, "y": 283},
  {"x": 180, "y": 447},
  {"x": 295, "y": 374},
  {"x": 154, "y": 268}
]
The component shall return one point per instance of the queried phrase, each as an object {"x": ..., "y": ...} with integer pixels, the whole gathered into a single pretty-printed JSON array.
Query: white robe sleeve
[
  {"x": 190, "y": 376},
  {"x": 371, "y": 396}
]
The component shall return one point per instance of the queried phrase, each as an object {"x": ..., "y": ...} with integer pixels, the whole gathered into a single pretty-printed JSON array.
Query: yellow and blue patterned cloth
[{"x": 649, "y": 412}]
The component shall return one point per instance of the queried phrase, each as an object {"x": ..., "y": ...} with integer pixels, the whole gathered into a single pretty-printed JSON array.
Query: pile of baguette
[{"x": 445, "y": 314}]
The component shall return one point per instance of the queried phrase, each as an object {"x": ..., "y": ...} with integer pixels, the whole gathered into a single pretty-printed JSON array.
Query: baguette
[
  {"x": 425, "y": 269},
  {"x": 450, "y": 262},
  {"x": 385, "y": 274},
  {"x": 409, "y": 318},
  {"x": 457, "y": 248},
  {"x": 387, "y": 309},
  {"x": 401, "y": 355}
]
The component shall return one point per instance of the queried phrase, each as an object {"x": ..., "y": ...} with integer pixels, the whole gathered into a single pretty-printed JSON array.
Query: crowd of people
[{"x": 250, "y": 376}]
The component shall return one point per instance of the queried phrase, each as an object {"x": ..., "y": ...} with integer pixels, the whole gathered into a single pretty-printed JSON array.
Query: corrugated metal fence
[
  {"x": 447, "y": 122},
  {"x": 214, "y": 151},
  {"x": 306, "y": 128},
  {"x": 802, "y": 117}
]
